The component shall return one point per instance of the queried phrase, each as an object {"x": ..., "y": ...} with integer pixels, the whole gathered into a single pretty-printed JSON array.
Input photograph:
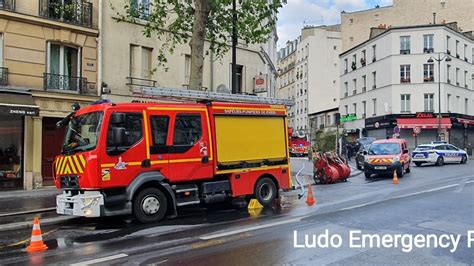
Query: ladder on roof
[{"x": 195, "y": 95}]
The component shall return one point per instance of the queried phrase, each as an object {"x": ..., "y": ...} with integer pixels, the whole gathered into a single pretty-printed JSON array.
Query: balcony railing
[
  {"x": 405, "y": 51},
  {"x": 141, "y": 82},
  {"x": 7, "y": 5},
  {"x": 428, "y": 79},
  {"x": 65, "y": 83},
  {"x": 3, "y": 76},
  {"x": 78, "y": 13},
  {"x": 428, "y": 50},
  {"x": 405, "y": 80}
]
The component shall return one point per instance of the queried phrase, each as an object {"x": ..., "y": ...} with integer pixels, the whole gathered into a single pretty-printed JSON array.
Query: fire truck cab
[{"x": 149, "y": 159}]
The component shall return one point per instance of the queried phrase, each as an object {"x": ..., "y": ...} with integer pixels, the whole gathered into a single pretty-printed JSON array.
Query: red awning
[
  {"x": 466, "y": 121},
  {"x": 423, "y": 122}
]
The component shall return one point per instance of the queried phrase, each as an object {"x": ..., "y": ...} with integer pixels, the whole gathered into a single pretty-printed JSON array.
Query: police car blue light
[{"x": 438, "y": 153}]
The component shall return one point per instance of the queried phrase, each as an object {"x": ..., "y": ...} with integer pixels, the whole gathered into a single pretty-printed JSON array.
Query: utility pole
[{"x": 234, "y": 47}]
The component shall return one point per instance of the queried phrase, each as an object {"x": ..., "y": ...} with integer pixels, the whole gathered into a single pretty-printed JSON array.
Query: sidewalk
[{"x": 18, "y": 201}]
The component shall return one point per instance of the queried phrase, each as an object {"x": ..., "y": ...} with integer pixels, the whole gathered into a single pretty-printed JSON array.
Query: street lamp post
[{"x": 439, "y": 60}]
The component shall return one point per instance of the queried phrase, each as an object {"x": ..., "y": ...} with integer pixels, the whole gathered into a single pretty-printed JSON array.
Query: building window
[
  {"x": 465, "y": 79},
  {"x": 374, "y": 53},
  {"x": 141, "y": 66},
  {"x": 457, "y": 76},
  {"x": 466, "y": 100},
  {"x": 448, "y": 40},
  {"x": 428, "y": 72},
  {"x": 345, "y": 65},
  {"x": 64, "y": 68},
  {"x": 458, "y": 103},
  {"x": 404, "y": 44},
  {"x": 465, "y": 52},
  {"x": 448, "y": 70},
  {"x": 429, "y": 104},
  {"x": 405, "y": 74},
  {"x": 355, "y": 108},
  {"x": 364, "y": 83},
  {"x": 187, "y": 70},
  {"x": 239, "y": 74},
  {"x": 428, "y": 43},
  {"x": 364, "y": 109},
  {"x": 140, "y": 9},
  {"x": 457, "y": 49},
  {"x": 346, "y": 89},
  {"x": 374, "y": 79},
  {"x": 363, "y": 58},
  {"x": 354, "y": 62},
  {"x": 405, "y": 99},
  {"x": 374, "y": 106},
  {"x": 346, "y": 108},
  {"x": 354, "y": 91}
]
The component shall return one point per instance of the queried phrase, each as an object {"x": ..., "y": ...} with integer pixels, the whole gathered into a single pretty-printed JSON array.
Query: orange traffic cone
[
  {"x": 310, "y": 199},
  {"x": 36, "y": 243},
  {"x": 395, "y": 178}
]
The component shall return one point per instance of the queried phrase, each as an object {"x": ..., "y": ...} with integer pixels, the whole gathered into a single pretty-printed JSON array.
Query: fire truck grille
[{"x": 70, "y": 181}]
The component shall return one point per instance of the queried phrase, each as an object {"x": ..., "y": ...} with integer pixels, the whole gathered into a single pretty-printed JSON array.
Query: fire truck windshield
[{"x": 82, "y": 133}]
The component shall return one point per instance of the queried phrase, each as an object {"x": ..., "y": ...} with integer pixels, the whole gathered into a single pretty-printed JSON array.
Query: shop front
[{"x": 14, "y": 107}]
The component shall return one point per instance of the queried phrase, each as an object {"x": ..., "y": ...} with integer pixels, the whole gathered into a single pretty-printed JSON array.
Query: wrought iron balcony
[
  {"x": 65, "y": 83},
  {"x": 141, "y": 82},
  {"x": 78, "y": 13},
  {"x": 7, "y": 5},
  {"x": 3, "y": 76}
]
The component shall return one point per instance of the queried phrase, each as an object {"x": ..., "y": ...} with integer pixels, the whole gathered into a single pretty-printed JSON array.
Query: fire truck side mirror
[
  {"x": 365, "y": 152},
  {"x": 118, "y": 136},
  {"x": 117, "y": 118}
]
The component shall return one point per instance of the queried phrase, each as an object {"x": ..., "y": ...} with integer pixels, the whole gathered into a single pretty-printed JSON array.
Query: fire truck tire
[
  {"x": 265, "y": 191},
  {"x": 150, "y": 205}
]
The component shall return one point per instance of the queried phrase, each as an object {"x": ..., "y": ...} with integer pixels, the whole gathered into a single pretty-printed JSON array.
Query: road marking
[
  {"x": 89, "y": 262},
  {"x": 404, "y": 196},
  {"x": 253, "y": 228}
]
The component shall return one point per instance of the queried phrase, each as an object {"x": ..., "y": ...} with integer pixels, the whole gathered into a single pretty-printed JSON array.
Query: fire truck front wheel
[
  {"x": 150, "y": 205},
  {"x": 265, "y": 191}
]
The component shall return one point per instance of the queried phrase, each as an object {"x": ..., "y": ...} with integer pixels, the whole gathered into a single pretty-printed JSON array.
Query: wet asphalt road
[{"x": 425, "y": 201}]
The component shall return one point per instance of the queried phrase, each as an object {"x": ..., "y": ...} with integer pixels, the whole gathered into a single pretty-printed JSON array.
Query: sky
[{"x": 296, "y": 13}]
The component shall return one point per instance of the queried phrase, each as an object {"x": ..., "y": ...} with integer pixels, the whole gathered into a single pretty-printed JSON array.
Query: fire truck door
[
  {"x": 159, "y": 127},
  {"x": 190, "y": 153}
]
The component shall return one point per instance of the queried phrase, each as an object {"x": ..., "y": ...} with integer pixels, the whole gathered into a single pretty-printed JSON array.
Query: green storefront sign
[{"x": 347, "y": 118}]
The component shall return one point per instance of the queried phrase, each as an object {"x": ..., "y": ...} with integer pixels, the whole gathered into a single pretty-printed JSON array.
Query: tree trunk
[{"x": 201, "y": 14}]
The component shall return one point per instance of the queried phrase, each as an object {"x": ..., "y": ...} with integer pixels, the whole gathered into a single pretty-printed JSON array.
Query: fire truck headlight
[{"x": 89, "y": 202}]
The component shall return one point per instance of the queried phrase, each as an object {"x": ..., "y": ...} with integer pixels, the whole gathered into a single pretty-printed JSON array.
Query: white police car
[{"x": 438, "y": 153}]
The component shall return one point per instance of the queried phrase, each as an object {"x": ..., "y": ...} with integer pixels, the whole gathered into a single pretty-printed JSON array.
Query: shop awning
[
  {"x": 21, "y": 104},
  {"x": 466, "y": 121},
  {"x": 423, "y": 122}
]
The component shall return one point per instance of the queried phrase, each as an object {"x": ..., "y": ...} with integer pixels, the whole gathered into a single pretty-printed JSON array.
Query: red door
[
  {"x": 189, "y": 149},
  {"x": 51, "y": 146}
]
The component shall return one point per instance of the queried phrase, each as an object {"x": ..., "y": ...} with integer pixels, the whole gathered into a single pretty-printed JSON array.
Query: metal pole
[
  {"x": 439, "y": 97},
  {"x": 234, "y": 47}
]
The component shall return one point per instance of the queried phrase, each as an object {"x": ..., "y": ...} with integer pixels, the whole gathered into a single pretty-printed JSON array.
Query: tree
[{"x": 194, "y": 22}]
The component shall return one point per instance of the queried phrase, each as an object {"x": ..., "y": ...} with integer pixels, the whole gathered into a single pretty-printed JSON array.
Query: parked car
[
  {"x": 363, "y": 146},
  {"x": 386, "y": 156},
  {"x": 438, "y": 153}
]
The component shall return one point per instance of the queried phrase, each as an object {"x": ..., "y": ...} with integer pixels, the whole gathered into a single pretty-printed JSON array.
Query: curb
[{"x": 27, "y": 225}]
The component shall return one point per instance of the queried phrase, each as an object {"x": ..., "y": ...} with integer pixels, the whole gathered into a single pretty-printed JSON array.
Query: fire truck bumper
[{"x": 86, "y": 203}]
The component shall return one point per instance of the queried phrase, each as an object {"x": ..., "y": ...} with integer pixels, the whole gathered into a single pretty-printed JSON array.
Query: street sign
[
  {"x": 396, "y": 130},
  {"x": 417, "y": 130},
  {"x": 347, "y": 118}
]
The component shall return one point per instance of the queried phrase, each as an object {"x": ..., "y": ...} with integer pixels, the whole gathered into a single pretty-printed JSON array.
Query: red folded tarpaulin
[
  {"x": 423, "y": 122},
  {"x": 466, "y": 121}
]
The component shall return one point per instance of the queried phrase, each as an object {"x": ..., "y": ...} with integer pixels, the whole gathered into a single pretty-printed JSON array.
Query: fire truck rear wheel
[
  {"x": 150, "y": 205},
  {"x": 265, "y": 191}
]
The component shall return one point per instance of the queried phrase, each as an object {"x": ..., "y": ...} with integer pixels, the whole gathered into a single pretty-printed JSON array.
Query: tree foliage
[{"x": 177, "y": 22}]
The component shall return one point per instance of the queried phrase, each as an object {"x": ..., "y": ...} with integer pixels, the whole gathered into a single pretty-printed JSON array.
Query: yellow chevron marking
[
  {"x": 83, "y": 161},
  {"x": 58, "y": 163},
  {"x": 79, "y": 168},
  {"x": 71, "y": 164},
  {"x": 67, "y": 170},
  {"x": 62, "y": 166}
]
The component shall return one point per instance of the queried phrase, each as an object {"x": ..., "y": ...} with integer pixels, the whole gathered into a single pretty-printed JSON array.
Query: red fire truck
[
  {"x": 149, "y": 159},
  {"x": 299, "y": 146}
]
